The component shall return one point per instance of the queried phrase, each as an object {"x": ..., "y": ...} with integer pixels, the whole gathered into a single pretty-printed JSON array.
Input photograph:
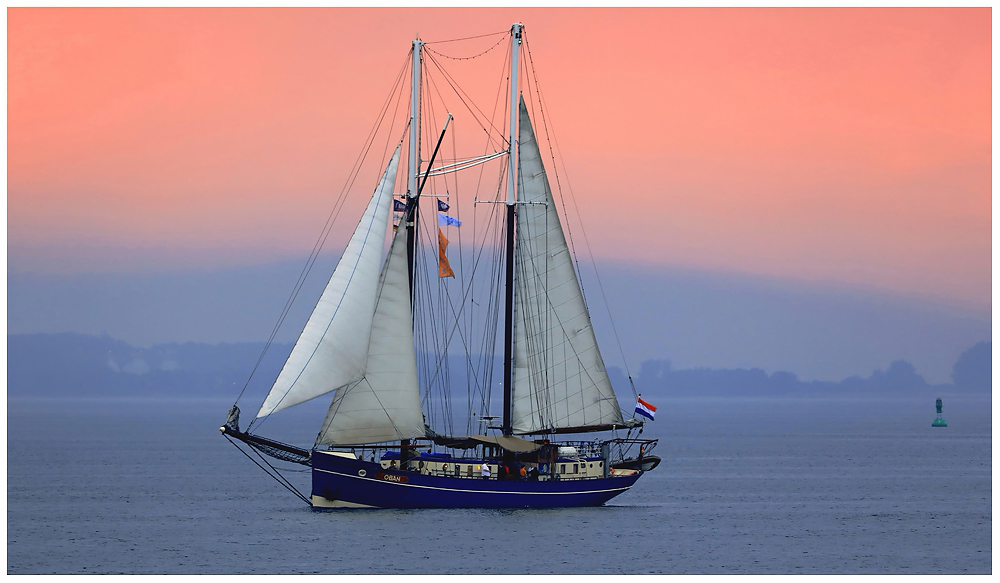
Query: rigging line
[
  {"x": 498, "y": 287},
  {"x": 465, "y": 297},
  {"x": 553, "y": 139},
  {"x": 483, "y": 384},
  {"x": 338, "y": 402},
  {"x": 465, "y": 99},
  {"x": 465, "y": 334},
  {"x": 344, "y": 390},
  {"x": 327, "y": 230},
  {"x": 457, "y": 92},
  {"x": 331, "y": 219},
  {"x": 444, "y": 299},
  {"x": 425, "y": 295},
  {"x": 452, "y": 40},
  {"x": 427, "y": 332},
  {"x": 549, "y": 317},
  {"x": 481, "y": 373},
  {"x": 278, "y": 478},
  {"x": 467, "y": 58},
  {"x": 317, "y": 246},
  {"x": 380, "y": 188},
  {"x": 466, "y": 164},
  {"x": 442, "y": 347}
]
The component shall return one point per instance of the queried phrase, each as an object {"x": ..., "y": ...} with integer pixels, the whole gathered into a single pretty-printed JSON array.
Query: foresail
[
  {"x": 332, "y": 349},
  {"x": 559, "y": 376},
  {"x": 384, "y": 405}
]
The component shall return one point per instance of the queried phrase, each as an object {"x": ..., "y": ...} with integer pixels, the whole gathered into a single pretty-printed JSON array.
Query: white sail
[
  {"x": 559, "y": 379},
  {"x": 385, "y": 404},
  {"x": 333, "y": 347}
]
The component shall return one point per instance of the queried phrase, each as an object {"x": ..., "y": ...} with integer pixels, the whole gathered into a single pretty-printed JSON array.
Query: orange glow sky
[{"x": 850, "y": 147}]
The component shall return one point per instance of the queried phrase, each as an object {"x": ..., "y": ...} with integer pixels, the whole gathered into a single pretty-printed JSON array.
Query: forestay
[{"x": 559, "y": 377}]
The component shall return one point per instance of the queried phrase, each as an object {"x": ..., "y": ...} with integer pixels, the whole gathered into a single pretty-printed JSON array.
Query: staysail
[
  {"x": 332, "y": 350},
  {"x": 559, "y": 379},
  {"x": 385, "y": 404}
]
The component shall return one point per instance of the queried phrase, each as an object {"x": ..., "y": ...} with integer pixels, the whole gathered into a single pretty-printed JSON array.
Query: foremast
[{"x": 411, "y": 214}]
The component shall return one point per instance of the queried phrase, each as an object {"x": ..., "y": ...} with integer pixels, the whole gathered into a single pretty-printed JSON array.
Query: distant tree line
[{"x": 75, "y": 365}]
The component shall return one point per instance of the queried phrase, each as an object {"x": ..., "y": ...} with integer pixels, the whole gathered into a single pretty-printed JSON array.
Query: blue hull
[{"x": 340, "y": 482}]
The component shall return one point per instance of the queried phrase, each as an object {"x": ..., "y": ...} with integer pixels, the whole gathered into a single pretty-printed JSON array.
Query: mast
[
  {"x": 410, "y": 215},
  {"x": 508, "y": 348},
  {"x": 413, "y": 169}
]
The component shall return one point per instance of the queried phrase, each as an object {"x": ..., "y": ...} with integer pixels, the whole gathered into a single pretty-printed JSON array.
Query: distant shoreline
[{"x": 77, "y": 366}]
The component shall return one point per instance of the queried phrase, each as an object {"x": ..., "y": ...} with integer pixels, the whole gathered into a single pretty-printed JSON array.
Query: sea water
[{"x": 799, "y": 486}]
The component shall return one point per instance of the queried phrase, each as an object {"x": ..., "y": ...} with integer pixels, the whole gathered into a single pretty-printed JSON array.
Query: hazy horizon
[{"x": 694, "y": 319}]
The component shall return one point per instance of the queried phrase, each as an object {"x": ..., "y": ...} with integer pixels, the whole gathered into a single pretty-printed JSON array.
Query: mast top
[{"x": 515, "y": 31}]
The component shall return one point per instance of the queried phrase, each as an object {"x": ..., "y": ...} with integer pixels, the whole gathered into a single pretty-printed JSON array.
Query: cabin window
[
  {"x": 468, "y": 472},
  {"x": 576, "y": 468},
  {"x": 562, "y": 468}
]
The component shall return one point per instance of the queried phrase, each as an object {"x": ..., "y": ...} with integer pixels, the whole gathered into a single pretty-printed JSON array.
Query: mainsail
[
  {"x": 385, "y": 404},
  {"x": 332, "y": 350},
  {"x": 559, "y": 377}
]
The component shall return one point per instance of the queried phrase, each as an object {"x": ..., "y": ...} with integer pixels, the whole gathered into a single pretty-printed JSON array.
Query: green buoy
[{"x": 939, "y": 422}]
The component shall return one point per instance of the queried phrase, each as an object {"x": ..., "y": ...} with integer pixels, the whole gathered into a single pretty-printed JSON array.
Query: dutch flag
[{"x": 645, "y": 409}]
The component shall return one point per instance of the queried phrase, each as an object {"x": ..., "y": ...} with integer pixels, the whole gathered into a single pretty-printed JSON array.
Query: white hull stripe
[
  {"x": 321, "y": 502},
  {"x": 471, "y": 491}
]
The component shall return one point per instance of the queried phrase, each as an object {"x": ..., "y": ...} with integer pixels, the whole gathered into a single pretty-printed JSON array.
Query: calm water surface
[{"x": 800, "y": 486}]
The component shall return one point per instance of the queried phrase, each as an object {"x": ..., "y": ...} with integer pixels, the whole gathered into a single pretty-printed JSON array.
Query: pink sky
[{"x": 850, "y": 147}]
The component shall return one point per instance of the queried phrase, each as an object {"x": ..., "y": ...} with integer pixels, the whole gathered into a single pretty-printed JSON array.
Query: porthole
[{"x": 362, "y": 473}]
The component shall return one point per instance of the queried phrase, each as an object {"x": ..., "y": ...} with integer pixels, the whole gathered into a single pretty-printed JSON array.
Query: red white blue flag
[{"x": 645, "y": 409}]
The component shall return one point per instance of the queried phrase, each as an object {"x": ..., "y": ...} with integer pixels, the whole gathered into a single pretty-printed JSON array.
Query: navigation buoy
[{"x": 939, "y": 422}]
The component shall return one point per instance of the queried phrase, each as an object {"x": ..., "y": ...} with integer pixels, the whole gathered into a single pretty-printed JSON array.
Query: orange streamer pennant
[{"x": 444, "y": 268}]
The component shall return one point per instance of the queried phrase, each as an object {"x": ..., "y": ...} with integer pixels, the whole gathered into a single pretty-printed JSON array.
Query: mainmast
[{"x": 508, "y": 348}]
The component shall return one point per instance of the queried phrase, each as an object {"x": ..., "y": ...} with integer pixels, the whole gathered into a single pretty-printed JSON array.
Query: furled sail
[
  {"x": 559, "y": 377},
  {"x": 333, "y": 347},
  {"x": 384, "y": 405}
]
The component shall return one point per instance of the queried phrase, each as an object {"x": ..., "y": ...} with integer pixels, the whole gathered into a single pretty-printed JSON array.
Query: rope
[
  {"x": 467, "y": 58},
  {"x": 550, "y": 139},
  {"x": 276, "y": 475},
  {"x": 504, "y": 32},
  {"x": 324, "y": 234}
]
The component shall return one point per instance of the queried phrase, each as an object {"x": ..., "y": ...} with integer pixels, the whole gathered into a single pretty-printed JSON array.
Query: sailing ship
[{"x": 376, "y": 448}]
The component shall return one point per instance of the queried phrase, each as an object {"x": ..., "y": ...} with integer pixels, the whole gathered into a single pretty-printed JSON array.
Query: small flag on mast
[
  {"x": 398, "y": 206},
  {"x": 446, "y": 221},
  {"x": 444, "y": 268},
  {"x": 645, "y": 409},
  {"x": 443, "y": 206}
]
